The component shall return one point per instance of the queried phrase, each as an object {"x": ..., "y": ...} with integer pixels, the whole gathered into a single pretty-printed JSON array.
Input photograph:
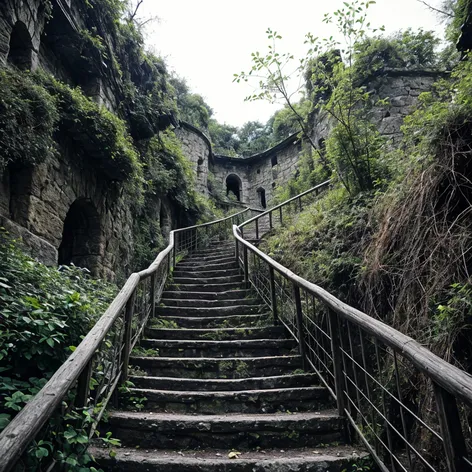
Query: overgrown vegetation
[{"x": 44, "y": 313}]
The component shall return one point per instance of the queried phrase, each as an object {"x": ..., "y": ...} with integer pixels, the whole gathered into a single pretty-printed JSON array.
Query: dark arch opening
[
  {"x": 233, "y": 185},
  {"x": 81, "y": 236},
  {"x": 21, "y": 47},
  {"x": 262, "y": 197}
]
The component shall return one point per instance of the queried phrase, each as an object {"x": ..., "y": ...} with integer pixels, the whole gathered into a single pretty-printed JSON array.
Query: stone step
[
  {"x": 239, "y": 431},
  {"x": 217, "y": 259},
  {"x": 170, "y": 302},
  {"x": 322, "y": 459},
  {"x": 205, "y": 274},
  {"x": 226, "y": 250},
  {"x": 211, "y": 368},
  {"x": 219, "y": 385},
  {"x": 196, "y": 266},
  {"x": 215, "y": 334},
  {"x": 205, "y": 287},
  {"x": 247, "y": 401},
  {"x": 223, "y": 311},
  {"x": 236, "y": 321},
  {"x": 229, "y": 295},
  {"x": 209, "y": 280},
  {"x": 219, "y": 349}
]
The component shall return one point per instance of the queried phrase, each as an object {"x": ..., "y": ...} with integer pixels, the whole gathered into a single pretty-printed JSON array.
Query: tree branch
[
  {"x": 437, "y": 10},
  {"x": 133, "y": 15}
]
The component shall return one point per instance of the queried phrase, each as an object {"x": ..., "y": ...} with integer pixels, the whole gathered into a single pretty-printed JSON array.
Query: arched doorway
[
  {"x": 262, "y": 197},
  {"x": 21, "y": 47},
  {"x": 81, "y": 236},
  {"x": 234, "y": 186}
]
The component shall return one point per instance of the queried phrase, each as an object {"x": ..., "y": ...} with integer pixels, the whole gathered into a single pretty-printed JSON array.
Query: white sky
[{"x": 208, "y": 41}]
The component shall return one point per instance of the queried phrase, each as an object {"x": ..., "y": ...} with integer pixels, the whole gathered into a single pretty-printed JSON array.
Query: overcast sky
[{"x": 206, "y": 42}]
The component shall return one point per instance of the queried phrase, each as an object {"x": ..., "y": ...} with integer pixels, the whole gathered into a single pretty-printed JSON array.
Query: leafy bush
[
  {"x": 44, "y": 313},
  {"x": 98, "y": 133},
  {"x": 28, "y": 107}
]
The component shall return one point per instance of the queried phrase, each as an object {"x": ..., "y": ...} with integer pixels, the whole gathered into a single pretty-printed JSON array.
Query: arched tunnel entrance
[
  {"x": 21, "y": 47},
  {"x": 234, "y": 186},
  {"x": 81, "y": 236}
]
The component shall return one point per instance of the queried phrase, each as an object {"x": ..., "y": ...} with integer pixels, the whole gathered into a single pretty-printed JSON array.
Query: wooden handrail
[
  {"x": 287, "y": 202},
  {"x": 452, "y": 379},
  {"x": 16, "y": 437}
]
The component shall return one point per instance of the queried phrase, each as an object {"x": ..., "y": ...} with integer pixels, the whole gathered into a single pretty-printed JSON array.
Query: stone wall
[
  {"x": 197, "y": 149},
  {"x": 262, "y": 173},
  {"x": 65, "y": 209}
]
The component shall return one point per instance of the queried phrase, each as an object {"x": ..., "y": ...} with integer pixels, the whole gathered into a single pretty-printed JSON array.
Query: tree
[{"x": 352, "y": 147}]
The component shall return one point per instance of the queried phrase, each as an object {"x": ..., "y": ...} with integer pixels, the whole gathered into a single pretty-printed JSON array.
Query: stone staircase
[{"x": 224, "y": 387}]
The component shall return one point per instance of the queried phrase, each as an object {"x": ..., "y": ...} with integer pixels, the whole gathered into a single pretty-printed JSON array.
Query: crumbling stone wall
[{"x": 197, "y": 149}]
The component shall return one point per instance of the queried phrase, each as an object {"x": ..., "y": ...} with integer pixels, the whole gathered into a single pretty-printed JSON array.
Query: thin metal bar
[
  {"x": 451, "y": 429},
  {"x": 300, "y": 328},
  {"x": 402, "y": 415}
]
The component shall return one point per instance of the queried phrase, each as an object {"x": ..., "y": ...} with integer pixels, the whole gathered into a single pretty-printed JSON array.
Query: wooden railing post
[
  {"x": 451, "y": 430},
  {"x": 280, "y": 210},
  {"x": 270, "y": 220},
  {"x": 236, "y": 251},
  {"x": 300, "y": 327},
  {"x": 83, "y": 386},
  {"x": 337, "y": 362},
  {"x": 153, "y": 295},
  {"x": 257, "y": 229},
  {"x": 174, "y": 251},
  {"x": 273, "y": 295},
  {"x": 300, "y": 203},
  {"x": 129, "y": 311},
  {"x": 246, "y": 268}
]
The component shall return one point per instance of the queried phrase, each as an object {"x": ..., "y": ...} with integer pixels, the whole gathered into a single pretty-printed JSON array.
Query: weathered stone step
[
  {"x": 248, "y": 401},
  {"x": 205, "y": 274},
  {"x": 229, "y": 295},
  {"x": 220, "y": 385},
  {"x": 224, "y": 311},
  {"x": 168, "y": 302},
  {"x": 215, "y": 334},
  {"x": 218, "y": 349},
  {"x": 211, "y": 368},
  {"x": 213, "y": 251},
  {"x": 205, "y": 287},
  {"x": 323, "y": 459},
  {"x": 216, "y": 259},
  {"x": 180, "y": 432},
  {"x": 209, "y": 280},
  {"x": 196, "y": 266},
  {"x": 236, "y": 321}
]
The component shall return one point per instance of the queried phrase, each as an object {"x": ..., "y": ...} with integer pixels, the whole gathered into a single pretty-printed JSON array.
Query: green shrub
[
  {"x": 28, "y": 118},
  {"x": 44, "y": 313},
  {"x": 97, "y": 133}
]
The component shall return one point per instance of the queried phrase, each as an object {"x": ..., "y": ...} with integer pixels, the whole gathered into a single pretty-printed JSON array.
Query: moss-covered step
[
  {"x": 238, "y": 431},
  {"x": 217, "y": 349},
  {"x": 292, "y": 400},
  {"x": 208, "y": 368},
  {"x": 226, "y": 385},
  {"x": 218, "y": 334}
]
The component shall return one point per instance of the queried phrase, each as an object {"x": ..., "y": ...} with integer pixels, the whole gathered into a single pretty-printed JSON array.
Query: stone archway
[
  {"x": 81, "y": 236},
  {"x": 234, "y": 186},
  {"x": 21, "y": 47},
  {"x": 261, "y": 193}
]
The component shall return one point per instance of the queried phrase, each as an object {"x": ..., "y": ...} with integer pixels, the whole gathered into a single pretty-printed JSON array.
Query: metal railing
[
  {"x": 410, "y": 407},
  {"x": 82, "y": 387},
  {"x": 280, "y": 214}
]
